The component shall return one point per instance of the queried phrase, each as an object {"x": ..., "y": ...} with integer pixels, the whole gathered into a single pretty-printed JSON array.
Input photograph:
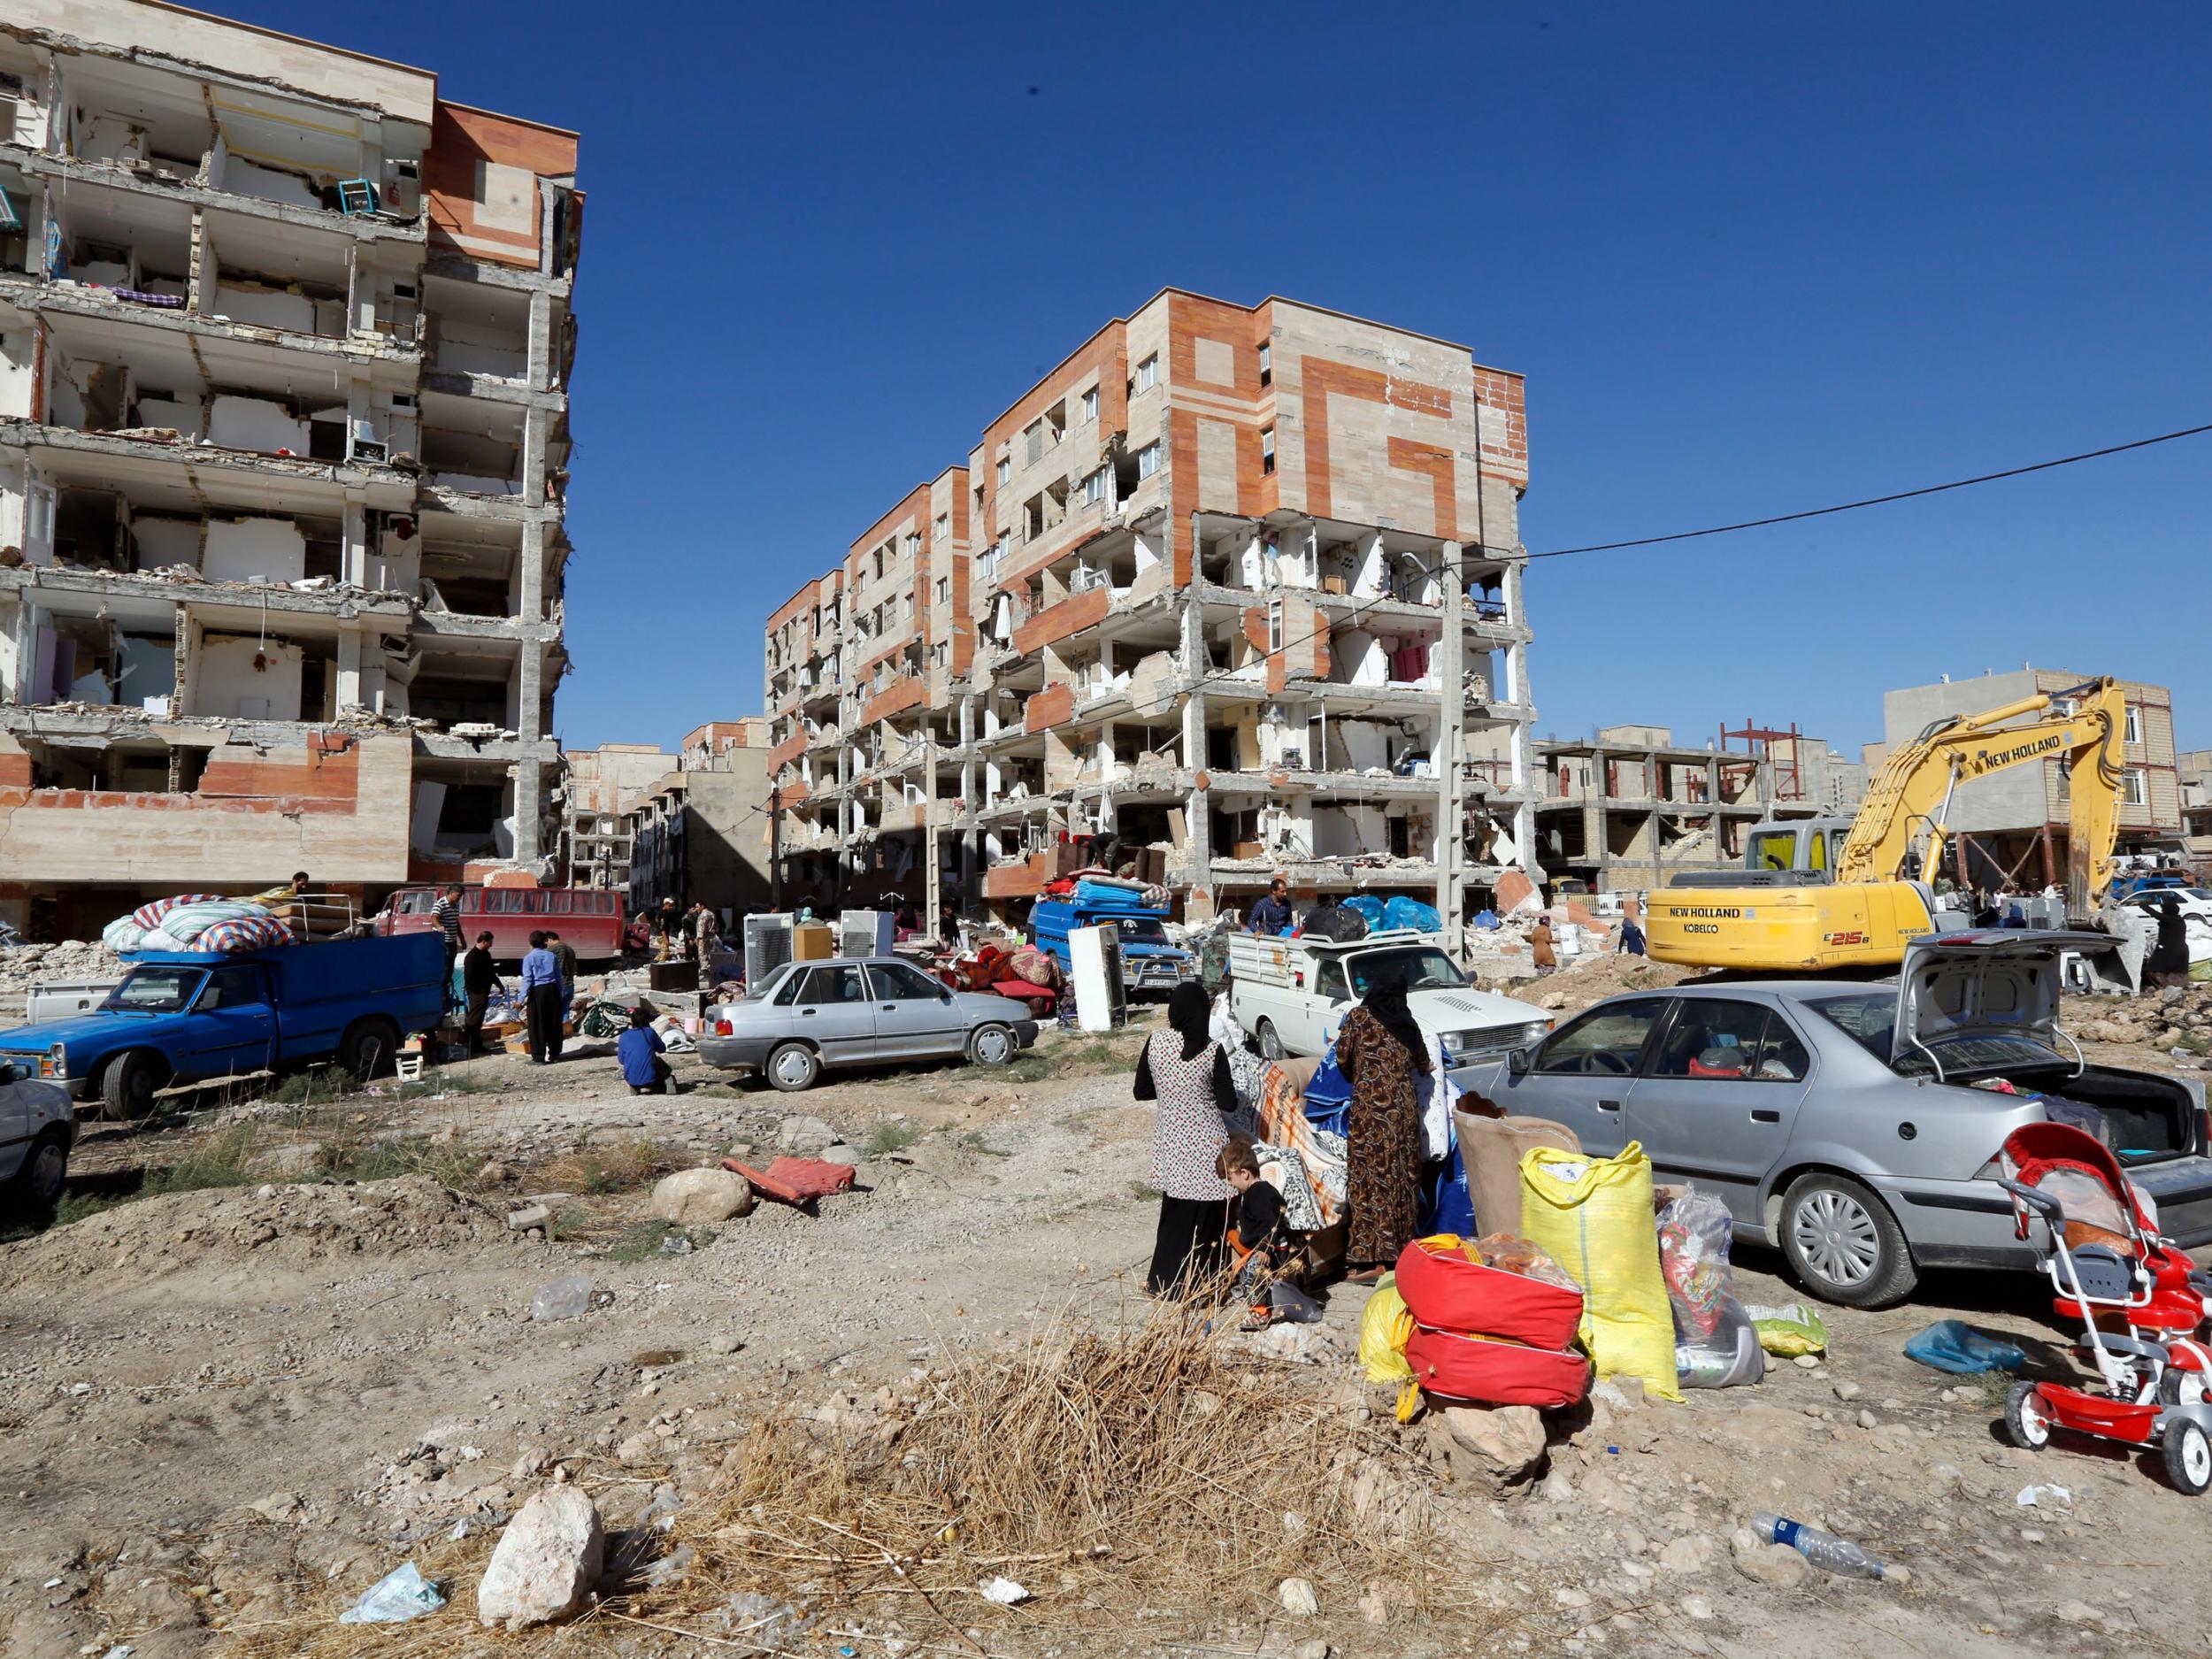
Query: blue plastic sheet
[
  {"x": 1370, "y": 908},
  {"x": 1404, "y": 912},
  {"x": 1952, "y": 1345}
]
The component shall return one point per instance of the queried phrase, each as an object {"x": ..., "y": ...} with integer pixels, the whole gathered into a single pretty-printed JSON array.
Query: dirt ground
[{"x": 223, "y": 1405}]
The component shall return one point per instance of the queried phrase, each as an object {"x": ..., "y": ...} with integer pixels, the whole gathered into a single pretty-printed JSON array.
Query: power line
[{"x": 1876, "y": 501}]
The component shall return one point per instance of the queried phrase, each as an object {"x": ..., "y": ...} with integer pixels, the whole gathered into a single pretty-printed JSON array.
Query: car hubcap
[
  {"x": 792, "y": 1068},
  {"x": 991, "y": 1047},
  {"x": 1836, "y": 1238}
]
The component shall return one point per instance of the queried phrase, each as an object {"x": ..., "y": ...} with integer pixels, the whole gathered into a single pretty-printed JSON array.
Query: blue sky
[{"x": 1751, "y": 259}]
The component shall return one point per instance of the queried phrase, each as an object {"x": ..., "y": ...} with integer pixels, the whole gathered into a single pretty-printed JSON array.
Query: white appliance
[
  {"x": 767, "y": 946},
  {"x": 1101, "y": 1000},
  {"x": 866, "y": 932}
]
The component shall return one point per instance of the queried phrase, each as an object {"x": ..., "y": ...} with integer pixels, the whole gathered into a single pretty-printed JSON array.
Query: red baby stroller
[{"x": 2139, "y": 1300}]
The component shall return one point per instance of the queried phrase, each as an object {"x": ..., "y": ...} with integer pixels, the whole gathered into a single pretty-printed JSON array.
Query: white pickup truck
[{"x": 1292, "y": 993}]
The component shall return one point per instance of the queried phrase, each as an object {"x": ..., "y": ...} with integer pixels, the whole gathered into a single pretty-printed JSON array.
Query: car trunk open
[{"x": 1983, "y": 1007}]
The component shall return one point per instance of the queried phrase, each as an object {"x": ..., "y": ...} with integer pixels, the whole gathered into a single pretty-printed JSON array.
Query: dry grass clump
[{"x": 1150, "y": 1466}]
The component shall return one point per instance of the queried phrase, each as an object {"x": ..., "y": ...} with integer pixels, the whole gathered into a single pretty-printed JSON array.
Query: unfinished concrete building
[
  {"x": 1631, "y": 807},
  {"x": 1192, "y": 591},
  {"x": 599, "y": 788},
  {"x": 284, "y": 349},
  {"x": 701, "y": 833}
]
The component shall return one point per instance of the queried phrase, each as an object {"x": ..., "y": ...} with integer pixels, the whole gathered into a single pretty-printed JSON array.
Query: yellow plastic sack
[
  {"x": 1384, "y": 1326},
  {"x": 1593, "y": 1216}
]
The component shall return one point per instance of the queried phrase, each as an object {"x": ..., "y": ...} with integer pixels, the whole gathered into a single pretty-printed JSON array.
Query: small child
[
  {"x": 640, "y": 1050},
  {"x": 1261, "y": 1245}
]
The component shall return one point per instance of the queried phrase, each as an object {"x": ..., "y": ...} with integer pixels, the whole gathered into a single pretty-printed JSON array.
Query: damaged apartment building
[
  {"x": 284, "y": 350},
  {"x": 1190, "y": 603}
]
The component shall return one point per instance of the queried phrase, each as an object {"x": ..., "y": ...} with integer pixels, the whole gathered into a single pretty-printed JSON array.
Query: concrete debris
[
  {"x": 546, "y": 1561},
  {"x": 696, "y": 1198}
]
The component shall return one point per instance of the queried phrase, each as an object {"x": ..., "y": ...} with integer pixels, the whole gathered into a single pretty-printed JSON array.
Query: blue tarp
[{"x": 1404, "y": 912}]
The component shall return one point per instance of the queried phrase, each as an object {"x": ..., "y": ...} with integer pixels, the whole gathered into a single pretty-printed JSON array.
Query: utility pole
[
  {"x": 1451, "y": 785},
  {"x": 775, "y": 848},
  {"x": 929, "y": 819}
]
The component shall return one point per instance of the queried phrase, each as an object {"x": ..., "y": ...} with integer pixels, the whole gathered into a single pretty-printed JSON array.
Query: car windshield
[
  {"x": 1425, "y": 968},
  {"x": 1142, "y": 930},
  {"x": 155, "y": 990},
  {"x": 1871, "y": 1018},
  {"x": 766, "y": 988}
]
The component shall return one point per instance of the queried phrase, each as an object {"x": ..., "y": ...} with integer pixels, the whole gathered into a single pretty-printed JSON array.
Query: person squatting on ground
[
  {"x": 1260, "y": 1246},
  {"x": 541, "y": 1000},
  {"x": 642, "y": 1057},
  {"x": 1186, "y": 1072}
]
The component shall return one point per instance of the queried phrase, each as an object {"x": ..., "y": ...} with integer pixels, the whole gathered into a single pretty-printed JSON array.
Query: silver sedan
[
  {"x": 859, "y": 1010},
  {"x": 1854, "y": 1124}
]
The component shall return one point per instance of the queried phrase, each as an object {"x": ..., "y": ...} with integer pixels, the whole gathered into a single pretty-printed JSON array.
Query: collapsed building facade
[
  {"x": 285, "y": 342},
  {"x": 1629, "y": 808},
  {"x": 1194, "y": 591}
]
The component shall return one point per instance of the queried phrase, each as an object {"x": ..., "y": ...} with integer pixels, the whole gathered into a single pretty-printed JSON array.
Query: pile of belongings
[
  {"x": 1594, "y": 1216},
  {"x": 1399, "y": 913},
  {"x": 1716, "y": 1345},
  {"x": 309, "y": 918},
  {"x": 196, "y": 921},
  {"x": 1118, "y": 893},
  {"x": 1037, "y": 966},
  {"x": 1490, "y": 1321}
]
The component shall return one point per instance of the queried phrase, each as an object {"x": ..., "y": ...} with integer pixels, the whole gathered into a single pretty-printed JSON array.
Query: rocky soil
[{"x": 219, "y": 1408}]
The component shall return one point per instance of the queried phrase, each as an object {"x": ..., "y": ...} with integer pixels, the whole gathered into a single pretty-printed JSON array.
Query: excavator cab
[{"x": 1801, "y": 852}]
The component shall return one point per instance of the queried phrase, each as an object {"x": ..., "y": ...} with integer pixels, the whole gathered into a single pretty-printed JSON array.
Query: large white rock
[
  {"x": 546, "y": 1561},
  {"x": 697, "y": 1198},
  {"x": 1499, "y": 1449}
]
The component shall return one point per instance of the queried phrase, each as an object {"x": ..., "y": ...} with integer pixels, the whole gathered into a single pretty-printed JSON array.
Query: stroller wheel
[
  {"x": 2188, "y": 1455},
  {"x": 2179, "y": 1388},
  {"x": 2026, "y": 1419}
]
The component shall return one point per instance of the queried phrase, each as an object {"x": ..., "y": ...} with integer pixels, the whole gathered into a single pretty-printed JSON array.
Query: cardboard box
[{"x": 812, "y": 941}]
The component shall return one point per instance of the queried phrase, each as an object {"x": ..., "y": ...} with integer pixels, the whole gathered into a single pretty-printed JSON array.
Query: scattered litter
[
  {"x": 1825, "y": 1550},
  {"x": 2044, "y": 1495},
  {"x": 1005, "y": 1592},
  {"x": 563, "y": 1299},
  {"x": 402, "y": 1594},
  {"x": 1792, "y": 1329},
  {"x": 1954, "y": 1346}
]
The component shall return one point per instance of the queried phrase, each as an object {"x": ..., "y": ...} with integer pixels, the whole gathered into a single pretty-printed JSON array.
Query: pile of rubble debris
[
  {"x": 22, "y": 966},
  {"x": 2177, "y": 1019}
]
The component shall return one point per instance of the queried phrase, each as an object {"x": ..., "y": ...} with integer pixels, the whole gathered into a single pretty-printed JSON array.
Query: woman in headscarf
[
  {"x": 1383, "y": 1055},
  {"x": 1186, "y": 1071},
  {"x": 2167, "y": 962}
]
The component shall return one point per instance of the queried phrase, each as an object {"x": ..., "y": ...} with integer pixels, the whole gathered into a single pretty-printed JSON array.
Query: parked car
[
  {"x": 38, "y": 1130},
  {"x": 859, "y": 1010},
  {"x": 1842, "y": 1120},
  {"x": 184, "y": 1016}
]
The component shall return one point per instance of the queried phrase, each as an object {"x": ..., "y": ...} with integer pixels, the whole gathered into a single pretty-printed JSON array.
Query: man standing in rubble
[
  {"x": 668, "y": 926},
  {"x": 706, "y": 938},
  {"x": 447, "y": 912}
]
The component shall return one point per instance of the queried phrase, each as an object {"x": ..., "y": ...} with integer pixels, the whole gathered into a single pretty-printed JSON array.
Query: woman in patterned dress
[
  {"x": 1188, "y": 1072},
  {"x": 1383, "y": 1055}
]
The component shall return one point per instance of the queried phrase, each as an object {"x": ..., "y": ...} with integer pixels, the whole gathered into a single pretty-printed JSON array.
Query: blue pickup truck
[
  {"x": 182, "y": 1016},
  {"x": 1149, "y": 960}
]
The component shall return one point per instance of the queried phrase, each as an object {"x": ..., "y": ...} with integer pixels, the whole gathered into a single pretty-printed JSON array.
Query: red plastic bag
[
  {"x": 1446, "y": 1291},
  {"x": 1488, "y": 1371}
]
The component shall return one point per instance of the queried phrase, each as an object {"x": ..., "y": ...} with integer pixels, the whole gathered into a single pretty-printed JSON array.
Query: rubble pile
[
  {"x": 270, "y": 1226},
  {"x": 2177, "y": 1019},
  {"x": 1590, "y": 979},
  {"x": 22, "y": 966}
]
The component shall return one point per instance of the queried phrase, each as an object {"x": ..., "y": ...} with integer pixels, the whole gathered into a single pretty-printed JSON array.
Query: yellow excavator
[{"x": 1876, "y": 899}]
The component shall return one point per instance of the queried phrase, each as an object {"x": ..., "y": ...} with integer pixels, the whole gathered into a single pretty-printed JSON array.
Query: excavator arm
[{"x": 1910, "y": 796}]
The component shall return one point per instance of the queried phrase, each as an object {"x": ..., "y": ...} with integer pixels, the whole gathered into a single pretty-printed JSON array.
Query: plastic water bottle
[{"x": 1825, "y": 1550}]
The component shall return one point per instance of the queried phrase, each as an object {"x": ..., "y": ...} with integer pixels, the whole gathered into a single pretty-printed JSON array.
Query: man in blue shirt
[
  {"x": 640, "y": 1051},
  {"x": 1271, "y": 914},
  {"x": 541, "y": 1000}
]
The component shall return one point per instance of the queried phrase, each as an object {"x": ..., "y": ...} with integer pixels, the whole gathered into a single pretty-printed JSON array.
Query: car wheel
[
  {"x": 368, "y": 1049},
  {"x": 2179, "y": 1388},
  {"x": 2188, "y": 1454},
  {"x": 990, "y": 1045},
  {"x": 2025, "y": 1418},
  {"x": 127, "y": 1085},
  {"x": 1844, "y": 1244},
  {"x": 793, "y": 1067},
  {"x": 1271, "y": 1044},
  {"x": 37, "y": 1183}
]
